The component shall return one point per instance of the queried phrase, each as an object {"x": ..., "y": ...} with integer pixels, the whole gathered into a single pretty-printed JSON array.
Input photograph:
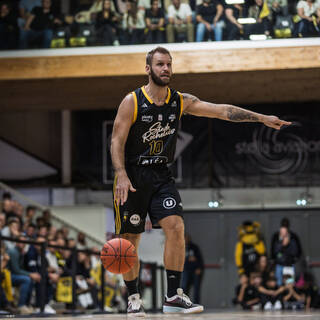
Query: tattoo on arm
[
  {"x": 189, "y": 97},
  {"x": 238, "y": 114}
]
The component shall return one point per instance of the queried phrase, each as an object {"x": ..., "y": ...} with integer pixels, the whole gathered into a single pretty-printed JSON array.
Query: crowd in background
[
  {"x": 20, "y": 273},
  {"x": 47, "y": 23},
  {"x": 279, "y": 282}
]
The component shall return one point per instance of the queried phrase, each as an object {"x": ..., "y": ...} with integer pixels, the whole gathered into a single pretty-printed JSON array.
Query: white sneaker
[
  {"x": 180, "y": 303},
  {"x": 277, "y": 305},
  {"x": 135, "y": 308},
  {"x": 268, "y": 306},
  {"x": 48, "y": 309}
]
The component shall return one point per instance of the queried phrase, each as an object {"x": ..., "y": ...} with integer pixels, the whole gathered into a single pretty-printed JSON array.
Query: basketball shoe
[
  {"x": 135, "y": 308},
  {"x": 180, "y": 303}
]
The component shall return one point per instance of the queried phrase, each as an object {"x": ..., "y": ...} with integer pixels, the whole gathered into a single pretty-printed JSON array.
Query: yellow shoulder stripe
[
  {"x": 135, "y": 113},
  {"x": 181, "y": 104}
]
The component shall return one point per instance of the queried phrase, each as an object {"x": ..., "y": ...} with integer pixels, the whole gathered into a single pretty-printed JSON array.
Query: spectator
[
  {"x": 46, "y": 215},
  {"x": 25, "y": 9},
  {"x": 43, "y": 231},
  {"x": 306, "y": 8},
  {"x": 233, "y": 28},
  {"x": 81, "y": 241},
  {"x": 8, "y": 27},
  {"x": 18, "y": 211},
  {"x": 133, "y": 24},
  {"x": 12, "y": 230},
  {"x": 21, "y": 277},
  {"x": 106, "y": 25},
  {"x": 316, "y": 22},
  {"x": 7, "y": 207},
  {"x": 261, "y": 13},
  {"x": 293, "y": 297},
  {"x": 65, "y": 230},
  {"x": 263, "y": 268},
  {"x": 2, "y": 220},
  {"x": 30, "y": 213},
  {"x": 286, "y": 254},
  {"x": 275, "y": 238},
  {"x": 155, "y": 23},
  {"x": 33, "y": 264},
  {"x": 39, "y": 26},
  {"x": 52, "y": 232},
  {"x": 147, "y": 4},
  {"x": 251, "y": 296},
  {"x": 193, "y": 269},
  {"x": 271, "y": 295},
  {"x": 240, "y": 289},
  {"x": 279, "y": 8},
  {"x": 179, "y": 22},
  {"x": 209, "y": 18},
  {"x": 31, "y": 231}
]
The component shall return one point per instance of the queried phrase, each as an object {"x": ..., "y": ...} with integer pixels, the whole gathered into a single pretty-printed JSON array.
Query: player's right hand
[{"x": 122, "y": 188}]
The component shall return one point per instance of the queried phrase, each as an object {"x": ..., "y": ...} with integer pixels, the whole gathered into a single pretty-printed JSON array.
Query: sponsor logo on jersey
[
  {"x": 172, "y": 117},
  {"x": 174, "y": 104},
  {"x": 157, "y": 131},
  {"x": 147, "y": 119},
  {"x": 169, "y": 203},
  {"x": 144, "y": 106},
  {"x": 135, "y": 219},
  {"x": 160, "y": 117},
  {"x": 147, "y": 160}
]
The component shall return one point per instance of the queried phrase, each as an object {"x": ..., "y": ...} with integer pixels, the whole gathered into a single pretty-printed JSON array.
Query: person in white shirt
[
  {"x": 305, "y": 11},
  {"x": 179, "y": 21}
]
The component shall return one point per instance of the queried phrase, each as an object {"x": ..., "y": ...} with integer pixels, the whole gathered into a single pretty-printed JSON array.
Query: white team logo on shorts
[
  {"x": 135, "y": 219},
  {"x": 169, "y": 203}
]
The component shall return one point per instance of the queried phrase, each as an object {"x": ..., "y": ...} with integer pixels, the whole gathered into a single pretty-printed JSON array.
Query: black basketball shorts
[{"x": 156, "y": 195}]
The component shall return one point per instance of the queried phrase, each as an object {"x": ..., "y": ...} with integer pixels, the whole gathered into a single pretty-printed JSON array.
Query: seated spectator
[
  {"x": 155, "y": 23},
  {"x": 305, "y": 10},
  {"x": 81, "y": 241},
  {"x": 7, "y": 207},
  {"x": 262, "y": 14},
  {"x": 31, "y": 231},
  {"x": 271, "y": 295},
  {"x": 316, "y": 22},
  {"x": 251, "y": 297},
  {"x": 240, "y": 289},
  {"x": 106, "y": 25},
  {"x": 29, "y": 216},
  {"x": 233, "y": 28},
  {"x": 12, "y": 230},
  {"x": 293, "y": 297},
  {"x": 25, "y": 9},
  {"x": 209, "y": 18},
  {"x": 33, "y": 264},
  {"x": 21, "y": 277},
  {"x": 39, "y": 26},
  {"x": 46, "y": 215},
  {"x": 133, "y": 24},
  {"x": 278, "y": 8},
  {"x": 263, "y": 268},
  {"x": 179, "y": 22},
  {"x": 2, "y": 221},
  {"x": 9, "y": 31}
]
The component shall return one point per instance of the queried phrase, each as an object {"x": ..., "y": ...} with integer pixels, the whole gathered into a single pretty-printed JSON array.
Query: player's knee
[
  {"x": 176, "y": 229},
  {"x": 133, "y": 238}
]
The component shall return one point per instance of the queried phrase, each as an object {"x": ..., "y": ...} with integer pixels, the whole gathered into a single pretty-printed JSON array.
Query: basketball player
[{"x": 143, "y": 144}]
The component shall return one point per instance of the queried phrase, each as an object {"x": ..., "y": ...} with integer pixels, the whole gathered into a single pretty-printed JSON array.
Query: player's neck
[{"x": 157, "y": 93}]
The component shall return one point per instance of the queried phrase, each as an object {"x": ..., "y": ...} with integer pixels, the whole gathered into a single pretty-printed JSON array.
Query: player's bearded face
[{"x": 163, "y": 79}]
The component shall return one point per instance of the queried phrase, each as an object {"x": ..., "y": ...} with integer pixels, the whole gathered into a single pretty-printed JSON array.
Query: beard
[{"x": 157, "y": 80}]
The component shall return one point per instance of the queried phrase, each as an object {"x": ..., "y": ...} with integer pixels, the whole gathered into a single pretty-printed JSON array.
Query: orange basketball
[{"x": 118, "y": 255}]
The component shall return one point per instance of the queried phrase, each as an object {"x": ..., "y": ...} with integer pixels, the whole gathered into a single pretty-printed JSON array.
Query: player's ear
[{"x": 147, "y": 69}]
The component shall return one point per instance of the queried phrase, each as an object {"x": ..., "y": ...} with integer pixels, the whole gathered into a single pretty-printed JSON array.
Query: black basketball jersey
[{"x": 152, "y": 137}]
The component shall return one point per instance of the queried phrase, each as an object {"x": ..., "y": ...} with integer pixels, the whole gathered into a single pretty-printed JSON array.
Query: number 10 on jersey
[{"x": 156, "y": 147}]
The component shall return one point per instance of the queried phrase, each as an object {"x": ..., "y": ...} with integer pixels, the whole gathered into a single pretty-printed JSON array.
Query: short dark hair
[
  {"x": 152, "y": 52},
  {"x": 285, "y": 222}
]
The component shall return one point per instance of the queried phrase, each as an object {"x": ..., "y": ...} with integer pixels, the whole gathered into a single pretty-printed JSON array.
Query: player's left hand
[{"x": 274, "y": 122}]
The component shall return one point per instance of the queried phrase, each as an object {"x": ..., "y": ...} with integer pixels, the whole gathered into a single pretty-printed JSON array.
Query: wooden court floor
[{"x": 203, "y": 316}]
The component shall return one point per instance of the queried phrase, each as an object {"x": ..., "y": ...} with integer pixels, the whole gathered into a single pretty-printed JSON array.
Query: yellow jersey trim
[
  {"x": 135, "y": 113},
  {"x": 150, "y": 100},
  {"x": 181, "y": 104},
  {"x": 117, "y": 219}
]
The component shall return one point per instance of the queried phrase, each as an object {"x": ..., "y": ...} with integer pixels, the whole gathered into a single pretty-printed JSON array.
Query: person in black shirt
[
  {"x": 143, "y": 144},
  {"x": 209, "y": 16},
  {"x": 193, "y": 269},
  {"x": 234, "y": 28},
  {"x": 106, "y": 24},
  {"x": 251, "y": 299},
  {"x": 39, "y": 26},
  {"x": 8, "y": 27},
  {"x": 155, "y": 23}
]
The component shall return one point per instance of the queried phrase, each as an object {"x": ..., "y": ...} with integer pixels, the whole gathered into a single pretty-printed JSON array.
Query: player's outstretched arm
[
  {"x": 121, "y": 128},
  {"x": 196, "y": 107}
]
